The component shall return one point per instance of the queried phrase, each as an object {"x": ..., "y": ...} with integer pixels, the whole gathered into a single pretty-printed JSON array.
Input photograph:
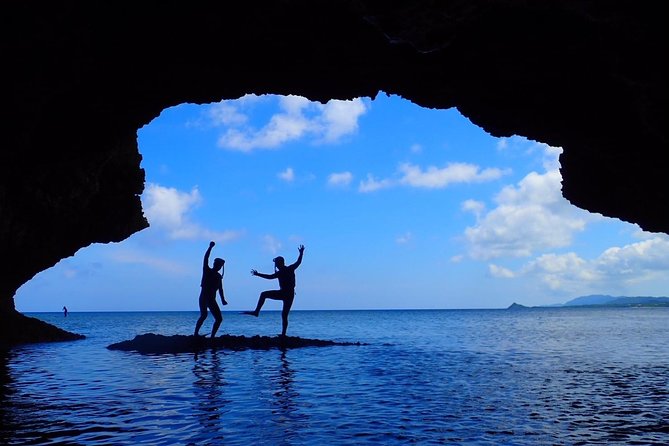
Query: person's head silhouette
[
  {"x": 218, "y": 263},
  {"x": 279, "y": 262}
]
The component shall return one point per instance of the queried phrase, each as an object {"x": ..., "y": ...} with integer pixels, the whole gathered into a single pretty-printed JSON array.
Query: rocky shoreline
[{"x": 17, "y": 329}]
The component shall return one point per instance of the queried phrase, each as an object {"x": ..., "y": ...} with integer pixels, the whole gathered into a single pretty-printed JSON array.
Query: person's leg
[
  {"x": 218, "y": 317},
  {"x": 287, "y": 303},
  {"x": 273, "y": 294},
  {"x": 203, "y": 315}
]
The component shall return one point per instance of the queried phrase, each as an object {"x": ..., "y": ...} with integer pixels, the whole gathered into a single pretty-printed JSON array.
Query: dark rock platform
[
  {"x": 155, "y": 343},
  {"x": 17, "y": 329}
]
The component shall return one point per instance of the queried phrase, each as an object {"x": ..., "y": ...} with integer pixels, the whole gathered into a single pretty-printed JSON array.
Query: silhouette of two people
[
  {"x": 286, "y": 291},
  {"x": 212, "y": 282}
]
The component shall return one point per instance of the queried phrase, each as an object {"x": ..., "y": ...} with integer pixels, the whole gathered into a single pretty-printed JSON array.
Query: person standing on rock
[
  {"x": 286, "y": 291},
  {"x": 212, "y": 282}
]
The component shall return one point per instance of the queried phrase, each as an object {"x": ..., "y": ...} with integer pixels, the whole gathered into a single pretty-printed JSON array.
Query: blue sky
[{"x": 398, "y": 207}]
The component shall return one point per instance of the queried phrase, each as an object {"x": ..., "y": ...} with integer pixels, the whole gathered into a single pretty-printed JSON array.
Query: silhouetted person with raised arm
[
  {"x": 212, "y": 281},
  {"x": 286, "y": 291}
]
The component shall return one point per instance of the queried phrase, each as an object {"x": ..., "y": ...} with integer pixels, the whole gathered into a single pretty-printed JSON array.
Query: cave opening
[{"x": 399, "y": 206}]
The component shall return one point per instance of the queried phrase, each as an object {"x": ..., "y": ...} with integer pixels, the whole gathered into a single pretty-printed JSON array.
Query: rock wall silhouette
[{"x": 81, "y": 77}]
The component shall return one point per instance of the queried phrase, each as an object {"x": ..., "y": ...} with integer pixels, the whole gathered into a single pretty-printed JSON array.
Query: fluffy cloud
[
  {"x": 339, "y": 118},
  {"x": 371, "y": 184},
  {"x": 167, "y": 206},
  {"x": 438, "y": 178},
  {"x": 340, "y": 179},
  {"x": 475, "y": 207},
  {"x": 637, "y": 261},
  {"x": 432, "y": 177},
  {"x": 529, "y": 217},
  {"x": 226, "y": 114},
  {"x": 298, "y": 118},
  {"x": 617, "y": 268},
  {"x": 169, "y": 209}
]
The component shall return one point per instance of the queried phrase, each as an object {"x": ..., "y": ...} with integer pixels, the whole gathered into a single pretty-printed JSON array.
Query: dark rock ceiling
[{"x": 80, "y": 77}]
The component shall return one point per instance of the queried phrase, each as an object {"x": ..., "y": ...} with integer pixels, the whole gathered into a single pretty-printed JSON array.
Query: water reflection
[
  {"x": 285, "y": 393},
  {"x": 5, "y": 386},
  {"x": 285, "y": 404},
  {"x": 210, "y": 402},
  {"x": 602, "y": 383},
  {"x": 274, "y": 414}
]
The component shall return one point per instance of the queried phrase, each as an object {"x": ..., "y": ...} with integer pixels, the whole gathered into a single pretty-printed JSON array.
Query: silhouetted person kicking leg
[
  {"x": 212, "y": 281},
  {"x": 286, "y": 291}
]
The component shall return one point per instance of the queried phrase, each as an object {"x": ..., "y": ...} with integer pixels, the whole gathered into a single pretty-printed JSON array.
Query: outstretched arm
[
  {"x": 205, "y": 263},
  {"x": 298, "y": 262},
  {"x": 264, "y": 276}
]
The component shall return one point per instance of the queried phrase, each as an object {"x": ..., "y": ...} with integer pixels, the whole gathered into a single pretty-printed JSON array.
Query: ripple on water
[{"x": 459, "y": 380}]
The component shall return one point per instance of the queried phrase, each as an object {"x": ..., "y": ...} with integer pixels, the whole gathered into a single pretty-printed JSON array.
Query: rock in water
[{"x": 155, "y": 343}]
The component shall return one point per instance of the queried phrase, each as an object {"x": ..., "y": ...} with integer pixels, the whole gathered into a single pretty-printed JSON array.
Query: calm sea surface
[{"x": 537, "y": 377}]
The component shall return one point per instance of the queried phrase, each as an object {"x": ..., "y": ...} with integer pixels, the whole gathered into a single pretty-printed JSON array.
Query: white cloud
[
  {"x": 416, "y": 148},
  {"x": 340, "y": 118},
  {"x": 529, "y": 217},
  {"x": 502, "y": 144},
  {"x": 499, "y": 271},
  {"x": 287, "y": 175},
  {"x": 294, "y": 105},
  {"x": 371, "y": 184},
  {"x": 281, "y": 129},
  {"x": 613, "y": 271},
  {"x": 475, "y": 207},
  {"x": 168, "y": 209},
  {"x": 225, "y": 114},
  {"x": 340, "y": 179},
  {"x": 167, "y": 206},
  {"x": 271, "y": 244},
  {"x": 432, "y": 177},
  {"x": 561, "y": 271},
  {"x": 298, "y": 118},
  {"x": 635, "y": 261},
  {"x": 437, "y": 178}
]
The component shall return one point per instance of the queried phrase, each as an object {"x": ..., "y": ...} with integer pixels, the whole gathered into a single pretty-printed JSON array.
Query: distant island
[{"x": 602, "y": 300}]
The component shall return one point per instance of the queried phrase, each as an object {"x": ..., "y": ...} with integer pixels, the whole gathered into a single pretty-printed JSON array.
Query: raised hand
[
  {"x": 254, "y": 272},
  {"x": 211, "y": 244}
]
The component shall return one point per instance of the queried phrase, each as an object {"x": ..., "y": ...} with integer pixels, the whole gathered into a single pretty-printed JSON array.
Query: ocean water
[{"x": 480, "y": 377}]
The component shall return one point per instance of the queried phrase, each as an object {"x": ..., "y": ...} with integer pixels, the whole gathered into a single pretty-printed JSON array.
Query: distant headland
[{"x": 603, "y": 300}]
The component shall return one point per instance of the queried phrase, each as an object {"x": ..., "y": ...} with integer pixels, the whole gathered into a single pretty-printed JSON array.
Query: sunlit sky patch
[{"x": 398, "y": 207}]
